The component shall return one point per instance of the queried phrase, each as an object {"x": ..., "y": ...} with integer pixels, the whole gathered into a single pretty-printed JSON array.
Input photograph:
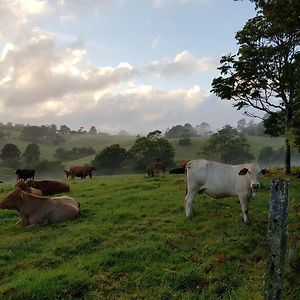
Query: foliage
[
  {"x": 10, "y": 155},
  {"x": 228, "y": 146},
  {"x": 203, "y": 129},
  {"x": 75, "y": 153},
  {"x": 264, "y": 75},
  {"x": 178, "y": 131},
  {"x": 110, "y": 159},
  {"x": 133, "y": 241},
  {"x": 93, "y": 130},
  {"x": 64, "y": 129},
  {"x": 151, "y": 148},
  {"x": 37, "y": 134},
  {"x": 32, "y": 153},
  {"x": 251, "y": 128},
  {"x": 47, "y": 168}
]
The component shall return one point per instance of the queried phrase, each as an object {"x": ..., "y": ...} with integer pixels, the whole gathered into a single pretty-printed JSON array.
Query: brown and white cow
[
  {"x": 38, "y": 210},
  {"x": 220, "y": 180}
]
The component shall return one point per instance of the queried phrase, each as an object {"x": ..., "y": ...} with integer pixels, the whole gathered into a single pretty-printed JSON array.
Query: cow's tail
[{"x": 185, "y": 176}]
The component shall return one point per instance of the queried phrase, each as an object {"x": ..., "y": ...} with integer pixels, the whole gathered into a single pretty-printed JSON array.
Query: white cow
[{"x": 219, "y": 181}]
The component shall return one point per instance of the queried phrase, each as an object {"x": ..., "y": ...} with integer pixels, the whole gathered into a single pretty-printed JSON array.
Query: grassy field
[{"x": 133, "y": 241}]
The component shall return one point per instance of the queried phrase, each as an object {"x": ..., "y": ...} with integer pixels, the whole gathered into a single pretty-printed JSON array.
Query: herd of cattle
[{"x": 31, "y": 197}]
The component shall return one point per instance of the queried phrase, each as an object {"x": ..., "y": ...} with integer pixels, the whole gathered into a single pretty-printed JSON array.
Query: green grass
[{"x": 133, "y": 241}]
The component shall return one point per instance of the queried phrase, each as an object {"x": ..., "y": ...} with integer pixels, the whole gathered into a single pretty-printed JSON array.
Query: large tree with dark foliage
[
  {"x": 10, "y": 154},
  {"x": 264, "y": 75},
  {"x": 32, "y": 153},
  {"x": 228, "y": 146},
  {"x": 151, "y": 148},
  {"x": 110, "y": 159}
]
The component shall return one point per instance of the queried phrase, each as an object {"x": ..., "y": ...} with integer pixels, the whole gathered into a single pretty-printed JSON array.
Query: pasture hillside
[
  {"x": 99, "y": 142},
  {"x": 133, "y": 241}
]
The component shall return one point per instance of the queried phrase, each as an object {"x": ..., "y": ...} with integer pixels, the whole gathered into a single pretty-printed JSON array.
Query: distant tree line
[
  {"x": 12, "y": 158},
  {"x": 74, "y": 153}
]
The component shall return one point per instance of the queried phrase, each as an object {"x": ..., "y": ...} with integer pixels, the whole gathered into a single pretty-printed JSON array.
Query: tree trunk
[{"x": 287, "y": 156}]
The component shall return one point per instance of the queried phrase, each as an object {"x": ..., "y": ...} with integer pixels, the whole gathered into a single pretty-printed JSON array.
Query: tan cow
[{"x": 38, "y": 210}]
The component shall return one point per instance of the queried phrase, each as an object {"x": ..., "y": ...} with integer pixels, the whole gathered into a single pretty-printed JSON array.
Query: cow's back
[{"x": 215, "y": 179}]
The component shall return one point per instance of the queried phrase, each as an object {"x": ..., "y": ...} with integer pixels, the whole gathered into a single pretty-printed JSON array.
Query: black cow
[
  {"x": 177, "y": 171},
  {"x": 25, "y": 174}
]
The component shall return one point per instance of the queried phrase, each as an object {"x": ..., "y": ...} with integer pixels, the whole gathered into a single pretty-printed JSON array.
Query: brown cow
[
  {"x": 81, "y": 171},
  {"x": 38, "y": 210},
  {"x": 153, "y": 169},
  {"x": 24, "y": 187},
  {"x": 183, "y": 162},
  {"x": 159, "y": 167},
  {"x": 49, "y": 187},
  {"x": 68, "y": 174}
]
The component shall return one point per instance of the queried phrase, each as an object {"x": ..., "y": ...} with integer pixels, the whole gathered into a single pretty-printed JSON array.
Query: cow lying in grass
[
  {"x": 48, "y": 187},
  {"x": 38, "y": 210},
  {"x": 24, "y": 187}
]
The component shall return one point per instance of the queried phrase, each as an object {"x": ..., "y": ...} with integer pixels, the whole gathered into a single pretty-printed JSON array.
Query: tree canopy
[
  {"x": 32, "y": 153},
  {"x": 264, "y": 75},
  {"x": 10, "y": 154},
  {"x": 110, "y": 158},
  {"x": 151, "y": 148},
  {"x": 228, "y": 146}
]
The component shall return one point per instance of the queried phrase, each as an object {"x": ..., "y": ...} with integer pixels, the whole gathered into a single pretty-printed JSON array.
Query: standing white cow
[{"x": 221, "y": 180}]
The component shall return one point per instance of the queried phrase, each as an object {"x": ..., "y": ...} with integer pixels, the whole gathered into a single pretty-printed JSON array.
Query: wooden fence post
[{"x": 277, "y": 238}]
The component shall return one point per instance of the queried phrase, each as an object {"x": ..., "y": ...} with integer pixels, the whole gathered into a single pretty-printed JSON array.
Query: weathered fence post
[{"x": 277, "y": 238}]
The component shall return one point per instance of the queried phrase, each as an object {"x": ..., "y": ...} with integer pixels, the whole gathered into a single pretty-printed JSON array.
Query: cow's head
[
  {"x": 13, "y": 200},
  {"x": 252, "y": 172}
]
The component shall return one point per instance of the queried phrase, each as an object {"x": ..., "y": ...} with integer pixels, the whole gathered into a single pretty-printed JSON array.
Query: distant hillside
[{"x": 99, "y": 142}]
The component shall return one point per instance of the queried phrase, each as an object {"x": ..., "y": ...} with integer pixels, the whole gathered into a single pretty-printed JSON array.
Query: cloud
[
  {"x": 183, "y": 63},
  {"x": 136, "y": 109},
  {"x": 45, "y": 81},
  {"x": 38, "y": 70}
]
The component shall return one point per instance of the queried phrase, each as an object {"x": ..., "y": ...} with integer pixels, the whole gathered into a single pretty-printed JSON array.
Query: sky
[{"x": 134, "y": 65}]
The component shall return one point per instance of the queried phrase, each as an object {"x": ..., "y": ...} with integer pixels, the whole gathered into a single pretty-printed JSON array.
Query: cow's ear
[{"x": 243, "y": 171}]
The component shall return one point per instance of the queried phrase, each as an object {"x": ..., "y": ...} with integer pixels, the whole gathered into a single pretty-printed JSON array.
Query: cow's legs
[
  {"x": 189, "y": 202},
  {"x": 245, "y": 207}
]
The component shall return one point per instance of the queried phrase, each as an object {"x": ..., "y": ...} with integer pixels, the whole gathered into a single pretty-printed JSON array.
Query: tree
[
  {"x": 110, "y": 158},
  {"x": 151, "y": 148},
  {"x": 64, "y": 129},
  {"x": 10, "y": 154},
  {"x": 93, "y": 130},
  {"x": 264, "y": 75},
  {"x": 203, "y": 129},
  {"x": 32, "y": 153},
  {"x": 228, "y": 146}
]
